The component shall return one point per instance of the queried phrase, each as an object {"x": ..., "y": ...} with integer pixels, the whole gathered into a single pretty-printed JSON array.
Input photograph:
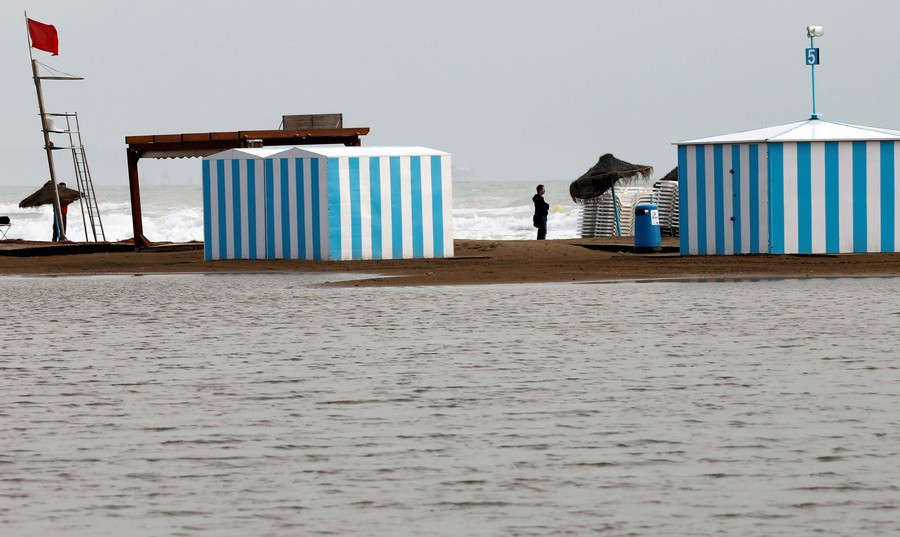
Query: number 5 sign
[{"x": 812, "y": 56}]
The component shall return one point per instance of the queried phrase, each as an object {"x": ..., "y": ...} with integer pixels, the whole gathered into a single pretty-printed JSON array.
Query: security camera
[{"x": 815, "y": 31}]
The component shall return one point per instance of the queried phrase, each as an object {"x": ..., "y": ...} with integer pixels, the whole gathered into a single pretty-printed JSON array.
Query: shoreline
[{"x": 477, "y": 262}]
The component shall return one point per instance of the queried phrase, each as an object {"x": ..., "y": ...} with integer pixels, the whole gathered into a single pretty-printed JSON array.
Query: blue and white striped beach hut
[
  {"x": 327, "y": 202},
  {"x": 809, "y": 187}
]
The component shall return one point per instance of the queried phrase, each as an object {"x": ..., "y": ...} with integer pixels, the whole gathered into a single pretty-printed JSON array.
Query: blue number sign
[{"x": 812, "y": 56}]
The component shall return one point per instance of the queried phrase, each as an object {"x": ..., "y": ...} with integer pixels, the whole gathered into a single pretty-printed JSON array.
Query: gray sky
[{"x": 524, "y": 89}]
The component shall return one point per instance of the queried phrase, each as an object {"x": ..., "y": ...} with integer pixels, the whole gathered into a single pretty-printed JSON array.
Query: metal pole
[
  {"x": 812, "y": 70},
  {"x": 616, "y": 209},
  {"x": 57, "y": 211}
]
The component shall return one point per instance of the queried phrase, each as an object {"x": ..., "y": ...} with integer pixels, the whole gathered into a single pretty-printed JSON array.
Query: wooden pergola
[{"x": 207, "y": 143}]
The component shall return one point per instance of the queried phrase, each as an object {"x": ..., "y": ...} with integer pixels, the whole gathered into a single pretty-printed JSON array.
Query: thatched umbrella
[
  {"x": 672, "y": 175},
  {"x": 603, "y": 175},
  {"x": 45, "y": 196}
]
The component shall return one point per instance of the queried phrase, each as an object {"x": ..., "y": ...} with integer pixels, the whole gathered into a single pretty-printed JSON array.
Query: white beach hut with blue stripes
[
  {"x": 327, "y": 202},
  {"x": 809, "y": 187}
]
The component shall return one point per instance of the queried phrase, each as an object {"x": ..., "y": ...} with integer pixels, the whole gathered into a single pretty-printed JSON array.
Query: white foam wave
[
  {"x": 483, "y": 211},
  {"x": 502, "y": 224}
]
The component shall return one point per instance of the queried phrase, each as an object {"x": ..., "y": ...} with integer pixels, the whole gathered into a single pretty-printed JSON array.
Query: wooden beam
[
  {"x": 140, "y": 241},
  {"x": 186, "y": 145},
  {"x": 271, "y": 135}
]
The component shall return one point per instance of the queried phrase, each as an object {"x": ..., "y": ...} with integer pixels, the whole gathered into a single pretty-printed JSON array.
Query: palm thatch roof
[
  {"x": 601, "y": 177},
  {"x": 45, "y": 196},
  {"x": 672, "y": 175}
]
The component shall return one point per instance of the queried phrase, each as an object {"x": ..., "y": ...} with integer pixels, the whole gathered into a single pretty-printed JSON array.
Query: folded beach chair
[{"x": 4, "y": 226}]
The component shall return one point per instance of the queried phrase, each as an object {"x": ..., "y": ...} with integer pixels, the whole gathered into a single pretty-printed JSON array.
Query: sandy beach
[{"x": 475, "y": 262}]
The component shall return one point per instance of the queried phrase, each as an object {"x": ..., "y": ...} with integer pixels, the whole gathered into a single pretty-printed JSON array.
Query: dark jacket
[{"x": 541, "y": 207}]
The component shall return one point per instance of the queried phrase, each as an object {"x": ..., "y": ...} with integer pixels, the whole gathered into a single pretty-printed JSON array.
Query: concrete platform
[{"x": 22, "y": 248}]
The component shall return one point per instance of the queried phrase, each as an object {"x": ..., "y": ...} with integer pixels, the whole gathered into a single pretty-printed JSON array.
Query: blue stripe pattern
[
  {"x": 418, "y": 233},
  {"x": 222, "y": 220},
  {"x": 776, "y": 198},
  {"x": 251, "y": 209},
  {"x": 754, "y": 198},
  {"x": 719, "y": 193},
  {"x": 437, "y": 206},
  {"x": 236, "y": 205},
  {"x": 286, "y": 230},
  {"x": 804, "y": 198},
  {"x": 355, "y": 210},
  {"x": 829, "y": 201},
  {"x": 301, "y": 208},
  {"x": 888, "y": 214},
  {"x": 207, "y": 212},
  {"x": 860, "y": 206},
  {"x": 701, "y": 200},
  {"x": 396, "y": 208},
  {"x": 832, "y": 199},
  {"x": 334, "y": 209},
  {"x": 244, "y": 206},
  {"x": 736, "y": 178},
  {"x": 316, "y": 210},
  {"x": 684, "y": 208},
  {"x": 270, "y": 208},
  {"x": 375, "y": 197}
]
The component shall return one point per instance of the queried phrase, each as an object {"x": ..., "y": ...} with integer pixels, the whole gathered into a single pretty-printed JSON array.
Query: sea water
[
  {"x": 236, "y": 405},
  {"x": 174, "y": 212}
]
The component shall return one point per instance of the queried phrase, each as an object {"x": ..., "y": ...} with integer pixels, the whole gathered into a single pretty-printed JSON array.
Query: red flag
[{"x": 43, "y": 37}]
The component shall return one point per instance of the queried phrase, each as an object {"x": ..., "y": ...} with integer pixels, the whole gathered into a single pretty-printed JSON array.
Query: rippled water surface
[{"x": 260, "y": 405}]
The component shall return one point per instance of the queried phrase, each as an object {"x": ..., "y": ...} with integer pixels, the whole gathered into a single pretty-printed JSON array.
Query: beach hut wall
[
  {"x": 808, "y": 187},
  {"x": 234, "y": 217},
  {"x": 328, "y": 202}
]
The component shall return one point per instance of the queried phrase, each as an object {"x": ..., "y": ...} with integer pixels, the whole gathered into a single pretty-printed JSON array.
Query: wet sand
[{"x": 475, "y": 262}]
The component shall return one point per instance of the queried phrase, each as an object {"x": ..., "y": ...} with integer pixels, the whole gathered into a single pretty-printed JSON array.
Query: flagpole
[
  {"x": 28, "y": 36},
  {"x": 57, "y": 211}
]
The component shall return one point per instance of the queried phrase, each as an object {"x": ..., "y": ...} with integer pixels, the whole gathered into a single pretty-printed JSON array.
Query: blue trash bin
[{"x": 647, "y": 237}]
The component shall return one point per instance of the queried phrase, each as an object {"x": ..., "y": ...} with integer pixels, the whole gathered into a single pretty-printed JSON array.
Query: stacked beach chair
[
  {"x": 598, "y": 217},
  {"x": 665, "y": 195}
]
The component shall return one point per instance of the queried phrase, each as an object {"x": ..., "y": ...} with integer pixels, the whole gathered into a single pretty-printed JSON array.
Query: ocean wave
[{"x": 174, "y": 213}]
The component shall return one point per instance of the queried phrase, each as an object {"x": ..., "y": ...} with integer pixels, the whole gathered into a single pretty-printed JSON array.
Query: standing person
[
  {"x": 541, "y": 209},
  {"x": 64, "y": 207}
]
